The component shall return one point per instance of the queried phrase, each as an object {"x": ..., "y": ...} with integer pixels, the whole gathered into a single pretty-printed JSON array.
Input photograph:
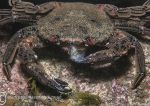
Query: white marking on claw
[
  {"x": 75, "y": 55},
  {"x": 35, "y": 56}
]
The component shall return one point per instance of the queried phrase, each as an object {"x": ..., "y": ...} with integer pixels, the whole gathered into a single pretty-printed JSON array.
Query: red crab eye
[
  {"x": 89, "y": 41},
  {"x": 54, "y": 39}
]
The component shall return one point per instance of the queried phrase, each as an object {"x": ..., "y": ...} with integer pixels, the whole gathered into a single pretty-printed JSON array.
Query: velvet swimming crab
[{"x": 75, "y": 27}]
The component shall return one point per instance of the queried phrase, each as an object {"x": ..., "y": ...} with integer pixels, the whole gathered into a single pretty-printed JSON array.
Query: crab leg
[
  {"x": 12, "y": 49},
  {"x": 132, "y": 26},
  {"x": 30, "y": 8},
  {"x": 134, "y": 12},
  {"x": 147, "y": 3},
  {"x": 28, "y": 59},
  {"x": 103, "y": 57},
  {"x": 24, "y": 12},
  {"x": 115, "y": 51},
  {"x": 7, "y": 65},
  {"x": 140, "y": 64},
  {"x": 5, "y": 16}
]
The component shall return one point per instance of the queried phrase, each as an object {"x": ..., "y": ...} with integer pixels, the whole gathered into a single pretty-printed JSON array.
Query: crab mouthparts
[{"x": 76, "y": 55}]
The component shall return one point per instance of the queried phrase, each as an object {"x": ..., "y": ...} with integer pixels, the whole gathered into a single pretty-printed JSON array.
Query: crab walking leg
[
  {"x": 35, "y": 70},
  {"x": 14, "y": 2},
  {"x": 129, "y": 13},
  {"x": 132, "y": 26},
  {"x": 24, "y": 12},
  {"x": 7, "y": 65},
  {"x": 5, "y": 16},
  {"x": 140, "y": 64},
  {"x": 19, "y": 13},
  {"x": 13, "y": 47},
  {"x": 146, "y": 3}
]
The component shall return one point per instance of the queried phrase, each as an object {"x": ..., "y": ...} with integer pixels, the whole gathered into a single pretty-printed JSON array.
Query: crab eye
[{"x": 89, "y": 41}]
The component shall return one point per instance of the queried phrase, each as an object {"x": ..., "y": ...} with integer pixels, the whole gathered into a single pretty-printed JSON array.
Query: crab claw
[{"x": 61, "y": 86}]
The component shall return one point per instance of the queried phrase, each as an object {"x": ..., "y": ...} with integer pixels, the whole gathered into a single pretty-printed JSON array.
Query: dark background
[{"x": 120, "y": 3}]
